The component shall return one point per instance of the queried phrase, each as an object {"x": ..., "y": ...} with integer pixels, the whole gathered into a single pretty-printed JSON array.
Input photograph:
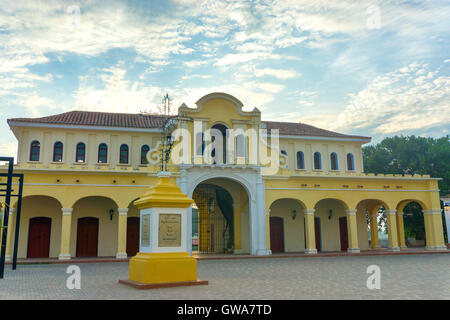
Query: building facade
[{"x": 267, "y": 187}]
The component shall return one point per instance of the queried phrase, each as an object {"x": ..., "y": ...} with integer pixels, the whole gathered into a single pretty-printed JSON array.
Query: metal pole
[
  {"x": 16, "y": 234},
  {"x": 6, "y": 215}
]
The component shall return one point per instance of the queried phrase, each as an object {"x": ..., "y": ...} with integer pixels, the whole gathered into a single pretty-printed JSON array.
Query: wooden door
[
  {"x": 276, "y": 234},
  {"x": 132, "y": 236},
  {"x": 39, "y": 237},
  {"x": 87, "y": 237},
  {"x": 343, "y": 231},
  {"x": 317, "y": 234}
]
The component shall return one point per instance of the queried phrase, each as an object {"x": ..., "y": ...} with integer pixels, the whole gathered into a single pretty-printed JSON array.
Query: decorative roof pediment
[{"x": 219, "y": 95}]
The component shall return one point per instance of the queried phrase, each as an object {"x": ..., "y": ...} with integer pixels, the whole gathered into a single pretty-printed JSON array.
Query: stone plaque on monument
[
  {"x": 169, "y": 230},
  {"x": 145, "y": 240}
]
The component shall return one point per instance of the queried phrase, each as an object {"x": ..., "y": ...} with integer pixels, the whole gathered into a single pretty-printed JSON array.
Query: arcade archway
[{"x": 221, "y": 211}]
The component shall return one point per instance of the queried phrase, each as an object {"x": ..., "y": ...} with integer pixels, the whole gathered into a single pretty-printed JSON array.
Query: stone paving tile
[{"x": 402, "y": 277}]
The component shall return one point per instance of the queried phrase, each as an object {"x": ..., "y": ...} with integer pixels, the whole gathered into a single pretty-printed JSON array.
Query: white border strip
[
  {"x": 85, "y": 185},
  {"x": 327, "y": 189}
]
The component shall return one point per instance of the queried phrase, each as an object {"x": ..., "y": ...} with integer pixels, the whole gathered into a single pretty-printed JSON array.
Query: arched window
[
  {"x": 80, "y": 153},
  {"x": 334, "y": 161},
  {"x": 123, "y": 154},
  {"x": 300, "y": 160},
  {"x": 35, "y": 150},
  {"x": 317, "y": 161},
  {"x": 103, "y": 153},
  {"x": 58, "y": 152},
  {"x": 144, "y": 150},
  {"x": 350, "y": 162}
]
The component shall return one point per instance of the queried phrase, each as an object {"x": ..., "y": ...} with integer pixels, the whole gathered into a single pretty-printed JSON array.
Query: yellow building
[{"x": 303, "y": 190}]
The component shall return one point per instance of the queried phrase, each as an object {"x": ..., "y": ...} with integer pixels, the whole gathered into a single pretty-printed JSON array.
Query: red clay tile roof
[
  {"x": 102, "y": 119},
  {"x": 302, "y": 129},
  {"x": 148, "y": 121}
]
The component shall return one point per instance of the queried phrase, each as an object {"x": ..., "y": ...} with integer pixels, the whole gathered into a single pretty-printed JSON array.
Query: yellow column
[
  {"x": 237, "y": 230},
  {"x": 64, "y": 253},
  {"x": 375, "y": 242},
  {"x": 10, "y": 234},
  {"x": 434, "y": 230},
  {"x": 268, "y": 228},
  {"x": 310, "y": 235},
  {"x": 392, "y": 230},
  {"x": 401, "y": 230},
  {"x": 122, "y": 234},
  {"x": 352, "y": 230}
]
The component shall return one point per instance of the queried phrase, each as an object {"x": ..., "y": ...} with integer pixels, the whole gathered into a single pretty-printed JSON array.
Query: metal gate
[{"x": 210, "y": 230}]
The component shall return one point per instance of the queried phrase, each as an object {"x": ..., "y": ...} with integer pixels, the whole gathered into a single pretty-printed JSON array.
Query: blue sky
[{"x": 374, "y": 68}]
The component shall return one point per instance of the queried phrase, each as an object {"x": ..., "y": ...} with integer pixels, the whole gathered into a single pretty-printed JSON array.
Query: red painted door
[
  {"x": 317, "y": 233},
  {"x": 39, "y": 237},
  {"x": 132, "y": 236},
  {"x": 344, "y": 233},
  {"x": 87, "y": 237},
  {"x": 276, "y": 234}
]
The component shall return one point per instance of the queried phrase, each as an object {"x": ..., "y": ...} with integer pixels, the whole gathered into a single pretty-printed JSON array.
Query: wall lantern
[
  {"x": 294, "y": 214},
  {"x": 111, "y": 213},
  {"x": 330, "y": 214}
]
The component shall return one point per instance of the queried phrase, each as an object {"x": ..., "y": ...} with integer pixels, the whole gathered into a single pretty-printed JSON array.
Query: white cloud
[
  {"x": 8, "y": 149},
  {"x": 195, "y": 63},
  {"x": 33, "y": 103},
  {"x": 399, "y": 101},
  {"x": 277, "y": 73},
  {"x": 117, "y": 94}
]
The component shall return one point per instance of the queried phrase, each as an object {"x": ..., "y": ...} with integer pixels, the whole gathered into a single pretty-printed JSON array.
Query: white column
[
  {"x": 310, "y": 234},
  {"x": 10, "y": 235},
  {"x": 64, "y": 253},
  {"x": 352, "y": 230},
  {"x": 182, "y": 183},
  {"x": 122, "y": 234},
  {"x": 391, "y": 216},
  {"x": 261, "y": 218}
]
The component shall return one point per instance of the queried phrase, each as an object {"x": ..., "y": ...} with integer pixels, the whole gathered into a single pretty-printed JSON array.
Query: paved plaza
[{"x": 402, "y": 277}]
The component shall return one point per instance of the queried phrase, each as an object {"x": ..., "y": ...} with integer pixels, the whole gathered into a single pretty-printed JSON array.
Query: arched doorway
[
  {"x": 87, "y": 237},
  {"x": 411, "y": 226},
  {"x": 100, "y": 225},
  {"x": 221, "y": 209},
  {"x": 331, "y": 225},
  {"x": 287, "y": 226},
  {"x": 374, "y": 235},
  {"x": 48, "y": 210},
  {"x": 215, "y": 218},
  {"x": 39, "y": 231}
]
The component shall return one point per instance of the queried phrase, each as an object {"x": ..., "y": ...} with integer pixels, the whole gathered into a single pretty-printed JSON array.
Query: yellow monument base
[{"x": 162, "y": 270}]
